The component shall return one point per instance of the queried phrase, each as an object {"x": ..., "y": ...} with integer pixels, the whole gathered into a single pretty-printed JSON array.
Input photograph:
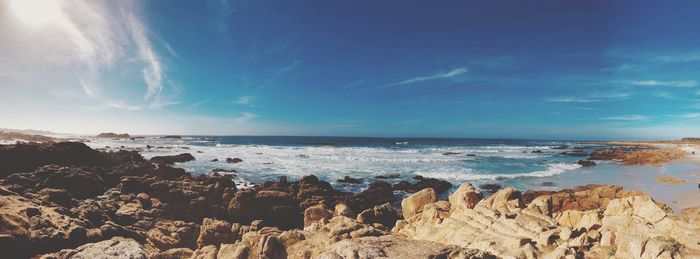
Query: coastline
[{"x": 138, "y": 203}]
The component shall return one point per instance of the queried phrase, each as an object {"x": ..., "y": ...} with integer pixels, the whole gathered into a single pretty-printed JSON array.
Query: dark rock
[
  {"x": 451, "y": 153},
  {"x": 214, "y": 160},
  {"x": 577, "y": 153},
  {"x": 439, "y": 186},
  {"x": 586, "y": 163},
  {"x": 377, "y": 193},
  {"x": 548, "y": 184},
  {"x": 537, "y": 151},
  {"x": 169, "y": 160},
  {"x": 387, "y": 176},
  {"x": 171, "y": 137},
  {"x": 350, "y": 180},
  {"x": 221, "y": 170},
  {"x": 113, "y": 135},
  {"x": 490, "y": 187},
  {"x": 233, "y": 160},
  {"x": 470, "y": 155}
]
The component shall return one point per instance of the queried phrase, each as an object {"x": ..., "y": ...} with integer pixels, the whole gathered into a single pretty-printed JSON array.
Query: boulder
[
  {"x": 215, "y": 232},
  {"x": 315, "y": 213},
  {"x": 113, "y": 135},
  {"x": 465, "y": 197},
  {"x": 439, "y": 186},
  {"x": 413, "y": 204},
  {"x": 607, "y": 154},
  {"x": 350, "y": 180},
  {"x": 233, "y": 160},
  {"x": 172, "y": 234},
  {"x": 586, "y": 163},
  {"x": 117, "y": 247},
  {"x": 169, "y": 160},
  {"x": 383, "y": 214}
]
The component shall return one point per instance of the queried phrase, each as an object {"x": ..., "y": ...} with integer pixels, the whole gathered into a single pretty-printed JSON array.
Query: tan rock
[
  {"x": 579, "y": 219},
  {"x": 343, "y": 210},
  {"x": 669, "y": 179},
  {"x": 465, "y": 197},
  {"x": 315, "y": 213},
  {"x": 233, "y": 251},
  {"x": 175, "y": 253},
  {"x": 214, "y": 232},
  {"x": 207, "y": 252},
  {"x": 413, "y": 204},
  {"x": 504, "y": 201}
]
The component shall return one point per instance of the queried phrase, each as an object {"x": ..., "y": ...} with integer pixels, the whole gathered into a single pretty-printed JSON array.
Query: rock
[
  {"x": 537, "y": 151},
  {"x": 586, "y": 163},
  {"x": 387, "y": 176},
  {"x": 560, "y": 147},
  {"x": 465, "y": 197},
  {"x": 377, "y": 193},
  {"x": 548, "y": 184},
  {"x": 451, "y": 153},
  {"x": 576, "y": 219},
  {"x": 207, "y": 252},
  {"x": 59, "y": 197},
  {"x": 171, "y": 137},
  {"x": 116, "y": 247},
  {"x": 233, "y": 160},
  {"x": 113, "y": 135},
  {"x": 173, "y": 234},
  {"x": 169, "y": 160},
  {"x": 669, "y": 179},
  {"x": 490, "y": 187},
  {"x": 439, "y": 186},
  {"x": 504, "y": 201},
  {"x": 215, "y": 232},
  {"x": 26, "y": 157},
  {"x": 587, "y": 197},
  {"x": 470, "y": 155},
  {"x": 315, "y": 213},
  {"x": 175, "y": 253},
  {"x": 214, "y": 160},
  {"x": 350, "y": 180},
  {"x": 413, "y": 204},
  {"x": 383, "y": 214},
  {"x": 607, "y": 154},
  {"x": 234, "y": 251},
  {"x": 271, "y": 248},
  {"x": 343, "y": 210},
  {"x": 576, "y": 153},
  {"x": 145, "y": 200}
]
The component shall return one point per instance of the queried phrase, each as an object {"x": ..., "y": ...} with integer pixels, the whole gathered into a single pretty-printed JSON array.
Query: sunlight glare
[{"x": 37, "y": 13}]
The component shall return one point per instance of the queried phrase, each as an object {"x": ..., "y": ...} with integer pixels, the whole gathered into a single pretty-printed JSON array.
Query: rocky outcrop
[
  {"x": 607, "y": 154},
  {"x": 169, "y": 160},
  {"x": 608, "y": 221},
  {"x": 414, "y": 204},
  {"x": 117, "y": 247},
  {"x": 384, "y": 215}
]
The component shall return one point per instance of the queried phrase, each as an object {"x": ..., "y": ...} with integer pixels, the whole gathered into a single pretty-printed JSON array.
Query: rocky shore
[{"x": 66, "y": 200}]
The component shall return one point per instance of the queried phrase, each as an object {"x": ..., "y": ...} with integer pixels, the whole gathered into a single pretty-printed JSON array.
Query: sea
[{"x": 524, "y": 164}]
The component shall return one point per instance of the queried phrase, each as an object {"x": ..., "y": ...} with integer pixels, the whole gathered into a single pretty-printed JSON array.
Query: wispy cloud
[
  {"x": 683, "y": 83},
  {"x": 692, "y": 115},
  {"x": 450, "y": 74},
  {"x": 244, "y": 117},
  {"x": 353, "y": 84},
  {"x": 590, "y": 98},
  {"x": 244, "y": 100},
  {"x": 281, "y": 71},
  {"x": 632, "y": 117}
]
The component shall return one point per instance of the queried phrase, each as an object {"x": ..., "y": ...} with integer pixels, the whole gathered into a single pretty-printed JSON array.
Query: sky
[{"x": 484, "y": 69}]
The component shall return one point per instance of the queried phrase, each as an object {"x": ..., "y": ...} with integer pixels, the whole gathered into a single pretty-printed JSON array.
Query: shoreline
[{"x": 90, "y": 199}]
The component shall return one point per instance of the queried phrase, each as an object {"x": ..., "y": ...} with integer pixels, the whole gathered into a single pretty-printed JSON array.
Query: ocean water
[{"x": 478, "y": 161}]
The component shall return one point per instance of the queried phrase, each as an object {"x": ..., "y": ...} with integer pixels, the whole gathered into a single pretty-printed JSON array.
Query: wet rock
[
  {"x": 586, "y": 163},
  {"x": 537, "y": 151},
  {"x": 26, "y": 157},
  {"x": 439, "y": 186},
  {"x": 168, "y": 160},
  {"x": 451, "y": 153},
  {"x": 171, "y": 137},
  {"x": 377, "y": 193},
  {"x": 490, "y": 187},
  {"x": 233, "y": 160},
  {"x": 350, "y": 180},
  {"x": 548, "y": 184},
  {"x": 316, "y": 213},
  {"x": 387, "y": 176},
  {"x": 214, "y": 160},
  {"x": 575, "y": 153}
]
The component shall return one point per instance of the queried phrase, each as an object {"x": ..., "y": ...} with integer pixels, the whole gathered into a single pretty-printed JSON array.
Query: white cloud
[
  {"x": 684, "y": 83},
  {"x": 93, "y": 45},
  {"x": 633, "y": 117},
  {"x": 693, "y": 115},
  {"x": 450, "y": 74}
]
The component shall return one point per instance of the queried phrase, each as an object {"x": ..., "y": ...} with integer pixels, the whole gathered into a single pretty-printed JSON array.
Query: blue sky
[{"x": 521, "y": 69}]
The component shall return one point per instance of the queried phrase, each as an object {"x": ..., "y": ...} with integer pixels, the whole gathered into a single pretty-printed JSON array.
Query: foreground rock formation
[{"x": 65, "y": 200}]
